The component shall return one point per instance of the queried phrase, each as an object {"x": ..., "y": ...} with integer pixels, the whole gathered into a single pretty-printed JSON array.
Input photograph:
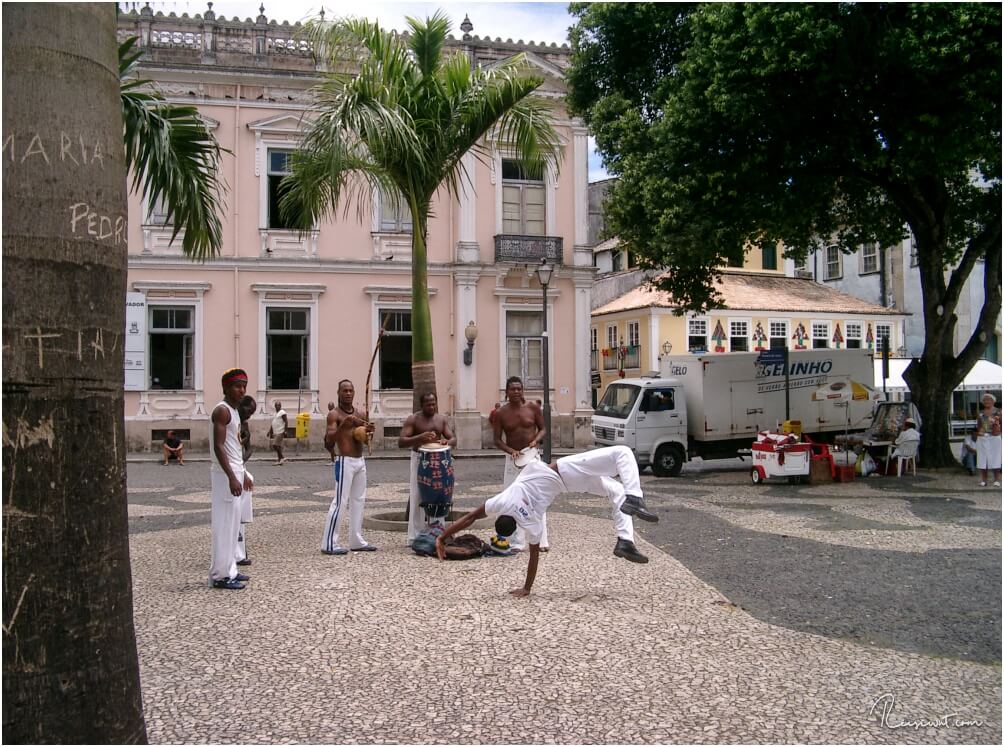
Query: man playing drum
[
  {"x": 422, "y": 428},
  {"x": 348, "y": 428},
  {"x": 522, "y": 425}
]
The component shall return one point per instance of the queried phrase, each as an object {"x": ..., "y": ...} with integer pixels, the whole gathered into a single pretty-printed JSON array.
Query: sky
[{"x": 545, "y": 22}]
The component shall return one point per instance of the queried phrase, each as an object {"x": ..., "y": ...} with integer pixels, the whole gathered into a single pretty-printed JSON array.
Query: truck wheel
[
  {"x": 668, "y": 461},
  {"x": 755, "y": 476}
]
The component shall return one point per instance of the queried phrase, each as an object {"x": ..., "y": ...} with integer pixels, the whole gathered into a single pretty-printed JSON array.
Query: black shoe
[
  {"x": 246, "y": 561},
  {"x": 364, "y": 548},
  {"x": 635, "y": 506},
  {"x": 626, "y": 549},
  {"x": 242, "y": 577},
  {"x": 227, "y": 583}
]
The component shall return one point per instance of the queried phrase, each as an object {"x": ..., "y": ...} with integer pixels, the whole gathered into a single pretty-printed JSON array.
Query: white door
[{"x": 659, "y": 415}]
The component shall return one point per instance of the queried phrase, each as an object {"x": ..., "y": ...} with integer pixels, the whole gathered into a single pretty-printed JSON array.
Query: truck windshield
[{"x": 618, "y": 400}]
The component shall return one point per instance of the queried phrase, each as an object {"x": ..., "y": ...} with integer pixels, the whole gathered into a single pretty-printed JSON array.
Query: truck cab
[{"x": 649, "y": 416}]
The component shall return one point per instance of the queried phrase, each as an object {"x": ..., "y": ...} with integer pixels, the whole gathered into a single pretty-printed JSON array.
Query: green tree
[
  {"x": 70, "y": 667},
  {"x": 397, "y": 113},
  {"x": 735, "y": 125}
]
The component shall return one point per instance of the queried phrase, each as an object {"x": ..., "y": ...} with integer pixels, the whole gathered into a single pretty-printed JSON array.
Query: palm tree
[
  {"x": 398, "y": 114},
  {"x": 70, "y": 667},
  {"x": 172, "y": 156}
]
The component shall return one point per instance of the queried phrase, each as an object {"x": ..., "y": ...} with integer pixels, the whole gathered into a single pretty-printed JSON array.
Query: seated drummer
[{"x": 422, "y": 428}]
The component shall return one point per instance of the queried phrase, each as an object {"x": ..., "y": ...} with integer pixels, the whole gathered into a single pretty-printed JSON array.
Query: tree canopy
[{"x": 807, "y": 124}]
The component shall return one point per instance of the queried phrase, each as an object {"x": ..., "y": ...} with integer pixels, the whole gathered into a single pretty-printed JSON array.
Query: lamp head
[{"x": 544, "y": 272}]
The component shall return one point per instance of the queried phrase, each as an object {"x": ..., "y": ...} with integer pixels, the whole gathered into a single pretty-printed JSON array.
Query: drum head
[
  {"x": 434, "y": 447},
  {"x": 527, "y": 455}
]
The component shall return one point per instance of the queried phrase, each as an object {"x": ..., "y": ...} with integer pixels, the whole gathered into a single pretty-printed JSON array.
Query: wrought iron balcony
[{"x": 530, "y": 250}]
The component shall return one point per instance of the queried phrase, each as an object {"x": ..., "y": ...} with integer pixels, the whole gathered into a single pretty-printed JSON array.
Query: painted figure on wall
[
  {"x": 799, "y": 337},
  {"x": 759, "y": 337},
  {"x": 719, "y": 337}
]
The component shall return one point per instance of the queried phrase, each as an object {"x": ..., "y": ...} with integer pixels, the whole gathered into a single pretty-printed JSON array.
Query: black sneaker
[
  {"x": 227, "y": 583},
  {"x": 246, "y": 561},
  {"x": 633, "y": 505},
  {"x": 626, "y": 549},
  {"x": 242, "y": 577}
]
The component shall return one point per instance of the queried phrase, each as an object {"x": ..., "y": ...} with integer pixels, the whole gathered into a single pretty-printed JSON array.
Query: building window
[
  {"x": 770, "y": 257},
  {"x": 617, "y": 263},
  {"x": 157, "y": 214},
  {"x": 594, "y": 356},
  {"x": 778, "y": 335},
  {"x": 395, "y": 217},
  {"x": 610, "y": 361},
  {"x": 172, "y": 338},
  {"x": 883, "y": 332},
  {"x": 525, "y": 347},
  {"x": 820, "y": 335},
  {"x": 697, "y": 335},
  {"x": 634, "y": 334},
  {"x": 522, "y": 199},
  {"x": 737, "y": 260},
  {"x": 853, "y": 335},
  {"x": 739, "y": 336},
  {"x": 869, "y": 258},
  {"x": 395, "y": 349},
  {"x": 279, "y": 164},
  {"x": 287, "y": 348},
  {"x": 834, "y": 263}
]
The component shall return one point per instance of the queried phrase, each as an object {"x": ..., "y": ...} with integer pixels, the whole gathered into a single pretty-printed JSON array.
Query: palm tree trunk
[
  {"x": 423, "y": 369},
  {"x": 70, "y": 669}
]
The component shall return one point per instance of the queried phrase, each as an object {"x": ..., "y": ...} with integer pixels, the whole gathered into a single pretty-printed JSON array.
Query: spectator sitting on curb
[{"x": 174, "y": 448}]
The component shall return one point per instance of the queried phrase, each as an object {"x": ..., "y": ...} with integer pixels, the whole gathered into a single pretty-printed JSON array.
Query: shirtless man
[
  {"x": 348, "y": 428},
  {"x": 522, "y": 424},
  {"x": 427, "y": 426},
  {"x": 331, "y": 450}
]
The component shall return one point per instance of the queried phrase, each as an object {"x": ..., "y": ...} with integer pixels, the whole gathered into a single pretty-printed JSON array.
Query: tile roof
[{"x": 759, "y": 292}]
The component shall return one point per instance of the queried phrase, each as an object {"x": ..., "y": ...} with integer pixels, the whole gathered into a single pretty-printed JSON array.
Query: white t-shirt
[
  {"x": 528, "y": 498},
  {"x": 278, "y": 424}
]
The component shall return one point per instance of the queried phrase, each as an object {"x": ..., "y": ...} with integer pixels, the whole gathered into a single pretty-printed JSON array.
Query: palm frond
[
  {"x": 427, "y": 40},
  {"x": 172, "y": 155}
]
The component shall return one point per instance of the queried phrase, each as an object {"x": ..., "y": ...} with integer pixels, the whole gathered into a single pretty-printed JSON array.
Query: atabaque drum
[{"x": 435, "y": 479}]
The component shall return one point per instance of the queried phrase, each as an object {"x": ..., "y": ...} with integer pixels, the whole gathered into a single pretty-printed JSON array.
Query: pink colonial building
[{"x": 300, "y": 313}]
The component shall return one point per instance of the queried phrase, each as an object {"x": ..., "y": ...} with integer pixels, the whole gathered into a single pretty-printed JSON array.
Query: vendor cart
[{"x": 780, "y": 455}]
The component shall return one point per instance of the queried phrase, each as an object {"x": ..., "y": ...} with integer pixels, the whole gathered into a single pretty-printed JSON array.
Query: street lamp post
[{"x": 544, "y": 271}]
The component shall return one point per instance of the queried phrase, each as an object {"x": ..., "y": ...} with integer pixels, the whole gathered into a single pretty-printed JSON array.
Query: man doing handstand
[{"x": 525, "y": 502}]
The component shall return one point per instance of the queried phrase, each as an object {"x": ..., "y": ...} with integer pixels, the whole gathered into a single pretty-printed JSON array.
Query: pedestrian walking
[
  {"x": 277, "y": 432},
  {"x": 988, "y": 441}
]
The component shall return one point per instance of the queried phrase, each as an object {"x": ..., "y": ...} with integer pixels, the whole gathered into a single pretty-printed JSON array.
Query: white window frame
[
  {"x": 839, "y": 273},
  {"x": 378, "y": 310},
  {"x": 188, "y": 349},
  {"x": 813, "y": 335},
  {"x": 634, "y": 334},
  {"x": 770, "y": 332},
  {"x": 283, "y": 132},
  {"x": 879, "y": 326},
  {"x": 273, "y": 308},
  {"x": 746, "y": 322},
  {"x": 700, "y": 320},
  {"x": 179, "y": 293},
  {"x": 288, "y": 296},
  {"x": 868, "y": 253},
  {"x": 849, "y": 325},
  {"x": 550, "y": 187},
  {"x": 611, "y": 362},
  {"x": 402, "y": 224}
]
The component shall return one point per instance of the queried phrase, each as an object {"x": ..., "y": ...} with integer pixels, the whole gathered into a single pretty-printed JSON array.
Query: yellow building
[{"x": 763, "y": 309}]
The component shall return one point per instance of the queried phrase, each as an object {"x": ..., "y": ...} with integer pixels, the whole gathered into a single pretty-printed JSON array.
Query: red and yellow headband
[{"x": 234, "y": 375}]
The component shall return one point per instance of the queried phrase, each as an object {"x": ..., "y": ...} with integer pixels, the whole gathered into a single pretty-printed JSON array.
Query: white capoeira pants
[
  {"x": 593, "y": 471},
  {"x": 518, "y": 540},
  {"x": 225, "y": 520},
  {"x": 418, "y": 520},
  {"x": 350, "y": 496},
  {"x": 988, "y": 452},
  {"x": 247, "y": 516}
]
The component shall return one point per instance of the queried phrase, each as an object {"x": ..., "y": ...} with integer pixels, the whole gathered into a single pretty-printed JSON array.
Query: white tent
[{"x": 984, "y": 375}]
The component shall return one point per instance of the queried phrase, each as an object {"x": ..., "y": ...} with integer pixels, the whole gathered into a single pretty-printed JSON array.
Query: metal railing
[{"x": 517, "y": 249}]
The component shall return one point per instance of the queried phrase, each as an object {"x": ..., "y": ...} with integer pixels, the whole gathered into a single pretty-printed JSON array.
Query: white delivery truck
[{"x": 712, "y": 406}]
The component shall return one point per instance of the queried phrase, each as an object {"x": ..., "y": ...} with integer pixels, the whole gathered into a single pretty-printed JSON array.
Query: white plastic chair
[{"x": 906, "y": 452}]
